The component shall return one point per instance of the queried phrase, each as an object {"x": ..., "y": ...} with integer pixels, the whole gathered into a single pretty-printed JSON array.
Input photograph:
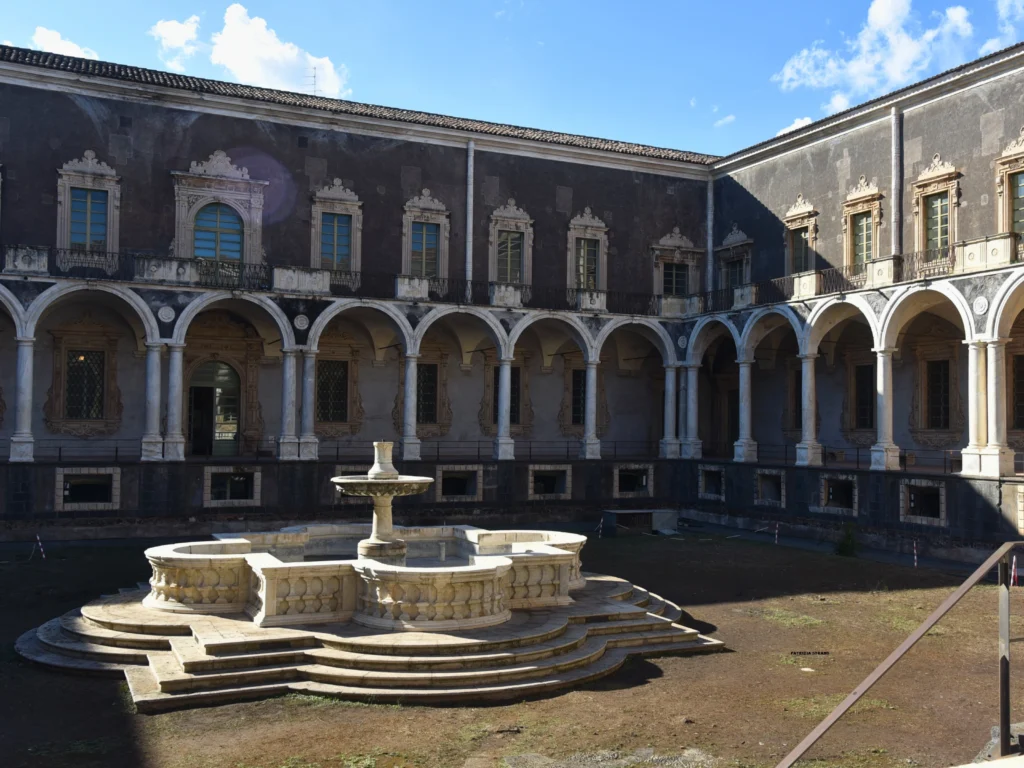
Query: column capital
[
  {"x": 673, "y": 366},
  {"x": 998, "y": 342},
  {"x": 25, "y": 339},
  {"x": 291, "y": 351},
  {"x": 744, "y": 362},
  {"x": 692, "y": 366},
  {"x": 508, "y": 360},
  {"x": 976, "y": 343},
  {"x": 175, "y": 345},
  {"x": 154, "y": 345},
  {"x": 412, "y": 355},
  {"x": 592, "y": 363},
  {"x": 887, "y": 351},
  {"x": 808, "y": 356}
]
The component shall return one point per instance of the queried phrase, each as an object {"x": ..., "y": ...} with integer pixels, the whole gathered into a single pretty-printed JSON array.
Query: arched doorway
[{"x": 214, "y": 407}]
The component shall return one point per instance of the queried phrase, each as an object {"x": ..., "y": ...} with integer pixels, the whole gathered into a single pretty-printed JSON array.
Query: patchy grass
[
  {"x": 785, "y": 618},
  {"x": 313, "y": 701},
  {"x": 818, "y": 707}
]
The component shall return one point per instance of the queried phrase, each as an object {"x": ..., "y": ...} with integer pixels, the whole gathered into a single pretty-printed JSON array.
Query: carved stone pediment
[
  {"x": 337, "y": 191},
  {"x": 219, "y": 165},
  {"x": 511, "y": 212},
  {"x": 425, "y": 202},
  {"x": 800, "y": 208},
  {"x": 1016, "y": 146},
  {"x": 90, "y": 165},
  {"x": 735, "y": 238},
  {"x": 587, "y": 219},
  {"x": 863, "y": 189},
  {"x": 937, "y": 168}
]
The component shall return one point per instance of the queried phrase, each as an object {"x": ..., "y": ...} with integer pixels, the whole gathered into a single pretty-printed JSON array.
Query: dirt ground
[{"x": 747, "y": 707}]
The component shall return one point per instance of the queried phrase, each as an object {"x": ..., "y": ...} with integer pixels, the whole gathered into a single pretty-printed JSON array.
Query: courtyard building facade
[{"x": 215, "y": 295}]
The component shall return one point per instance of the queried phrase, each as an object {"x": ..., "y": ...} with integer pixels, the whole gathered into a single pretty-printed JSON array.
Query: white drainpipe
[{"x": 470, "y": 147}]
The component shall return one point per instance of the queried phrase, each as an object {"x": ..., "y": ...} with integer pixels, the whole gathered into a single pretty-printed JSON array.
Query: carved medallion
[
  {"x": 980, "y": 306},
  {"x": 301, "y": 322},
  {"x": 166, "y": 314}
]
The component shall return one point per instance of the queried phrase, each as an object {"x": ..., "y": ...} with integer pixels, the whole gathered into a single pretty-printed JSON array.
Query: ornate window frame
[
  {"x": 114, "y": 473},
  {"x": 218, "y": 180},
  {"x": 430, "y": 354},
  {"x": 340, "y": 347},
  {"x": 824, "y": 507},
  {"x": 801, "y": 215},
  {"x": 648, "y": 490},
  {"x": 923, "y": 353},
  {"x": 427, "y": 210},
  {"x": 938, "y": 178},
  {"x": 88, "y": 173},
  {"x": 525, "y": 425},
  {"x": 735, "y": 246},
  {"x": 859, "y": 437},
  {"x": 677, "y": 248},
  {"x": 573, "y": 361},
  {"x": 478, "y": 492},
  {"x": 511, "y": 219},
  {"x": 587, "y": 225},
  {"x": 759, "y": 499},
  {"x": 564, "y": 496},
  {"x": 1009, "y": 163},
  {"x": 905, "y": 517},
  {"x": 863, "y": 198},
  {"x": 336, "y": 198},
  {"x": 702, "y": 484},
  {"x": 84, "y": 334}
]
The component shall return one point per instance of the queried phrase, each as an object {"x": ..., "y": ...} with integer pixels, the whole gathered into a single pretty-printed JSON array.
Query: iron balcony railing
[
  {"x": 620, "y": 302},
  {"x": 720, "y": 300},
  {"x": 843, "y": 279},
  {"x": 922, "y": 265},
  {"x": 94, "y": 265},
  {"x": 452, "y": 290},
  {"x": 234, "y": 275},
  {"x": 366, "y": 285},
  {"x": 773, "y": 291}
]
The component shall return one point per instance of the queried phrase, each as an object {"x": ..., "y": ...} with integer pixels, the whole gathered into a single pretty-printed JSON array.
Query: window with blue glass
[
  {"x": 425, "y": 240},
  {"x": 88, "y": 219},
  {"x": 336, "y": 242},
  {"x": 218, "y": 233}
]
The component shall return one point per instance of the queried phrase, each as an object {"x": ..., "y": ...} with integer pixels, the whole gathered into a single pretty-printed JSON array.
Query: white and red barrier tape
[
  {"x": 776, "y": 531},
  {"x": 915, "y": 553}
]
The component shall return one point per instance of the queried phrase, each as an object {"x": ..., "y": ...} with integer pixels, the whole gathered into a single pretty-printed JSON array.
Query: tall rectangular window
[
  {"x": 426, "y": 393},
  {"x": 864, "y": 396},
  {"x": 675, "y": 279},
  {"x": 937, "y": 385},
  {"x": 425, "y": 240},
  {"x": 936, "y": 231},
  {"x": 1017, "y": 193},
  {"x": 732, "y": 273},
  {"x": 514, "y": 394},
  {"x": 1018, "y": 391},
  {"x": 85, "y": 384},
  {"x": 88, "y": 219},
  {"x": 799, "y": 246},
  {"x": 587, "y": 255},
  {"x": 336, "y": 242},
  {"x": 510, "y": 256},
  {"x": 863, "y": 234},
  {"x": 579, "y": 395},
  {"x": 332, "y": 390}
]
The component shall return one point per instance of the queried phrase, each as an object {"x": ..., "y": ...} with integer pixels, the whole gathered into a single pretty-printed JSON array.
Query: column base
[
  {"x": 22, "y": 448},
  {"x": 885, "y": 457},
  {"x": 668, "y": 448},
  {"x": 996, "y": 461},
  {"x": 288, "y": 449},
  {"x": 410, "y": 449},
  {"x": 174, "y": 448},
  {"x": 309, "y": 448},
  {"x": 691, "y": 449},
  {"x": 745, "y": 451},
  {"x": 590, "y": 448},
  {"x": 152, "y": 448},
  {"x": 388, "y": 552},
  {"x": 504, "y": 448},
  {"x": 809, "y": 454}
]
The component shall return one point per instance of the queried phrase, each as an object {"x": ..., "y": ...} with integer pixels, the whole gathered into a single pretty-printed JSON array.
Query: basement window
[
  {"x": 88, "y": 489},
  {"x": 712, "y": 483},
  {"x": 459, "y": 482},
  {"x": 232, "y": 487},
  {"x": 771, "y": 489},
  {"x": 633, "y": 481},
  {"x": 838, "y": 493},
  {"x": 923, "y": 502},
  {"x": 550, "y": 482}
]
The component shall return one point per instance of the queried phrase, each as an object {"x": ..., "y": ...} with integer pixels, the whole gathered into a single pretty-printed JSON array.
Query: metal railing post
[{"x": 1004, "y": 656}]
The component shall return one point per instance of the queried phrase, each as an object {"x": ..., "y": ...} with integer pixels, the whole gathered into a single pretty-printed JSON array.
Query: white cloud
[
  {"x": 714, "y": 108},
  {"x": 177, "y": 40},
  {"x": 725, "y": 121},
  {"x": 800, "y": 122},
  {"x": 693, "y": 101},
  {"x": 890, "y": 51},
  {"x": 7, "y": 42},
  {"x": 253, "y": 53},
  {"x": 51, "y": 41},
  {"x": 1011, "y": 13}
]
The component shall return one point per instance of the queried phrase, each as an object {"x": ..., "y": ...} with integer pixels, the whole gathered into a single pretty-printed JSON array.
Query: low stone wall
[{"x": 201, "y": 577}]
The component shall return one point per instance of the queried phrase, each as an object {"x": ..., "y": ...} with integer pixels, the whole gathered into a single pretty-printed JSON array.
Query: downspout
[
  {"x": 709, "y": 270},
  {"x": 470, "y": 148},
  {"x": 896, "y": 237}
]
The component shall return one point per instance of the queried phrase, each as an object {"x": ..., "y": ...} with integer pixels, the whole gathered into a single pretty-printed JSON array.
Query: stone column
[
  {"x": 977, "y": 424},
  {"x": 997, "y": 457},
  {"x": 288, "y": 444},
  {"x": 174, "y": 440},
  {"x": 669, "y": 446},
  {"x": 692, "y": 448},
  {"x": 885, "y": 454},
  {"x": 504, "y": 445},
  {"x": 309, "y": 445},
  {"x": 22, "y": 442},
  {"x": 410, "y": 443},
  {"x": 808, "y": 450},
  {"x": 152, "y": 442},
  {"x": 591, "y": 446},
  {"x": 745, "y": 449}
]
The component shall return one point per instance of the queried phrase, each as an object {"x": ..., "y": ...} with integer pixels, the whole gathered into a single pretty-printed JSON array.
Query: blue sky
[{"x": 703, "y": 76}]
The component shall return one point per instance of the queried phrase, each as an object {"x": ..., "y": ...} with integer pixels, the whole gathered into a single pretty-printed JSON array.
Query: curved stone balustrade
[
  {"x": 433, "y": 599},
  {"x": 199, "y": 577}
]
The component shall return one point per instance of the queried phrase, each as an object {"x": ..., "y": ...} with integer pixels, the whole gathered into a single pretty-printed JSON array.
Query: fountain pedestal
[{"x": 382, "y": 545}]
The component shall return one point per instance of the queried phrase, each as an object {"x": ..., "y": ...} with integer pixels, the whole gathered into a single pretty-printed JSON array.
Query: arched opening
[
  {"x": 214, "y": 412},
  {"x": 777, "y": 387},
  {"x": 718, "y": 397}
]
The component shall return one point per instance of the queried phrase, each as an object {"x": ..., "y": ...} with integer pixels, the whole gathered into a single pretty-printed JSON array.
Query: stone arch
[
  {"x": 828, "y": 314},
  {"x": 338, "y": 307},
  {"x": 51, "y": 296},
  {"x": 652, "y": 330},
  {"x": 576, "y": 329},
  {"x": 704, "y": 332},
  {"x": 189, "y": 313},
  {"x": 756, "y": 330},
  {"x": 912, "y": 301},
  {"x": 13, "y": 307},
  {"x": 500, "y": 337},
  {"x": 1006, "y": 305}
]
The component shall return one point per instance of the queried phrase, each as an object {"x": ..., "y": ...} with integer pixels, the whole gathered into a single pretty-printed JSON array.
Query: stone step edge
[
  {"x": 51, "y": 635},
  {"x": 74, "y": 623},
  {"x": 29, "y": 647}
]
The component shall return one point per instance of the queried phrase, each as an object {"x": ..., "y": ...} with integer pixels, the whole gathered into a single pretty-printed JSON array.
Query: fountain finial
[{"x": 382, "y": 468}]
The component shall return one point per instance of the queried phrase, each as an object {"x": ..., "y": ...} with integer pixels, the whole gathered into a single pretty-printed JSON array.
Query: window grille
[
  {"x": 88, "y": 219},
  {"x": 332, "y": 390},
  {"x": 1018, "y": 391},
  {"x": 510, "y": 257},
  {"x": 85, "y": 384},
  {"x": 336, "y": 242},
  {"x": 801, "y": 250},
  {"x": 864, "y": 397},
  {"x": 218, "y": 233},
  {"x": 425, "y": 239},
  {"x": 426, "y": 393},
  {"x": 938, "y": 394},
  {"x": 579, "y": 395}
]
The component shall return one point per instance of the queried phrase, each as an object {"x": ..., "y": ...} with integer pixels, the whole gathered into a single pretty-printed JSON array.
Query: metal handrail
[{"x": 1000, "y": 558}]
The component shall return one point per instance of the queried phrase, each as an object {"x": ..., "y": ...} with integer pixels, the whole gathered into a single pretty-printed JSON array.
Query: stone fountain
[{"x": 382, "y": 483}]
